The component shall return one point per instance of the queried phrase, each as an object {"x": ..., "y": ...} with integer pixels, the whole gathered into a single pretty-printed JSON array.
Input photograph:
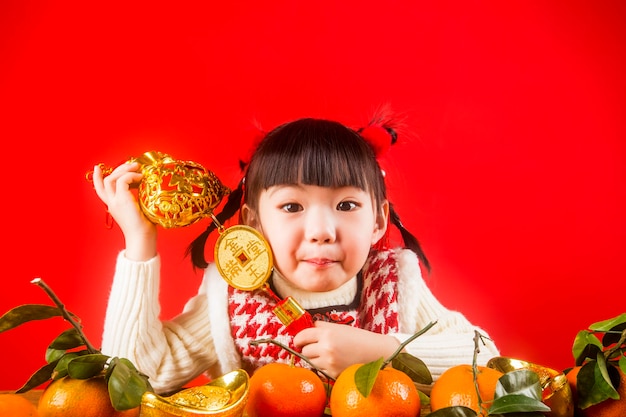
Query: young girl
[{"x": 315, "y": 191}]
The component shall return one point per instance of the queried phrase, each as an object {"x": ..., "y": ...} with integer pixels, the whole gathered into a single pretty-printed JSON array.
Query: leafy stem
[
  {"x": 66, "y": 315},
  {"x": 599, "y": 351},
  {"x": 72, "y": 355},
  {"x": 622, "y": 339},
  {"x": 406, "y": 342},
  {"x": 365, "y": 376},
  {"x": 293, "y": 352}
]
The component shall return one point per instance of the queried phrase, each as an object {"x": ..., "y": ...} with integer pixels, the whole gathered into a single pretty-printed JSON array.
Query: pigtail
[
  {"x": 410, "y": 241},
  {"x": 196, "y": 248},
  {"x": 381, "y": 134}
]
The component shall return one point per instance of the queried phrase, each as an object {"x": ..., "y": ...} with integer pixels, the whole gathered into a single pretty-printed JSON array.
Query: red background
[{"x": 513, "y": 178}]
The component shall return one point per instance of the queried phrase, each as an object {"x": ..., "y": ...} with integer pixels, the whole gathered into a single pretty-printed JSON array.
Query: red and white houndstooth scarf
[{"x": 375, "y": 308}]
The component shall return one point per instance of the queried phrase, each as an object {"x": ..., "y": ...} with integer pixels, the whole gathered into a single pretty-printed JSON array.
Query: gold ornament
[
  {"x": 225, "y": 396},
  {"x": 556, "y": 392},
  {"x": 243, "y": 257},
  {"x": 175, "y": 193}
]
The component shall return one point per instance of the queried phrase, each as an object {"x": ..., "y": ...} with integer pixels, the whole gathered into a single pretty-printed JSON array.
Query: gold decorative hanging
[{"x": 174, "y": 193}]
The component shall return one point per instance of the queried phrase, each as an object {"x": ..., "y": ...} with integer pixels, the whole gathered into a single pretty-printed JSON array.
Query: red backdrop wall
[{"x": 513, "y": 178}]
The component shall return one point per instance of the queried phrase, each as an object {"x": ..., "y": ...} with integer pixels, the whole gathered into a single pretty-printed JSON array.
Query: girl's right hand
[{"x": 115, "y": 191}]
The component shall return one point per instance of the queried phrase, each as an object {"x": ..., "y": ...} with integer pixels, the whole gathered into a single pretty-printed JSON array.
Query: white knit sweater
[{"x": 199, "y": 340}]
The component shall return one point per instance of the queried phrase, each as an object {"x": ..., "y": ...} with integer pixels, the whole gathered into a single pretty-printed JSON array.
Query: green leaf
[
  {"x": 365, "y": 376},
  {"x": 622, "y": 364},
  {"x": 606, "y": 325},
  {"x": 517, "y": 403},
  {"x": 25, "y": 313},
  {"x": 586, "y": 345},
  {"x": 43, "y": 374},
  {"x": 519, "y": 382},
  {"x": 53, "y": 355},
  {"x": 424, "y": 399},
  {"x": 609, "y": 375},
  {"x": 69, "y": 339},
  {"x": 126, "y": 385},
  {"x": 592, "y": 386},
  {"x": 86, "y": 366},
  {"x": 414, "y": 367},
  {"x": 60, "y": 370},
  {"x": 456, "y": 411},
  {"x": 518, "y": 391}
]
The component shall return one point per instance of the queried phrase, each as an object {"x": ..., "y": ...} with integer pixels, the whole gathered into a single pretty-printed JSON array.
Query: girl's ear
[
  {"x": 382, "y": 219},
  {"x": 248, "y": 217}
]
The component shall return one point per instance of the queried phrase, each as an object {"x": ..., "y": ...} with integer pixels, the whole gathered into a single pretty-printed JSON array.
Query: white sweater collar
[{"x": 343, "y": 295}]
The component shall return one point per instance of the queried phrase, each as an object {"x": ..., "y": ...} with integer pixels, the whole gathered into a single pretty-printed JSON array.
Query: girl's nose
[{"x": 320, "y": 226}]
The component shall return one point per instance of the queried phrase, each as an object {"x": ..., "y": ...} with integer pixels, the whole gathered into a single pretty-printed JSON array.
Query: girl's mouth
[{"x": 320, "y": 262}]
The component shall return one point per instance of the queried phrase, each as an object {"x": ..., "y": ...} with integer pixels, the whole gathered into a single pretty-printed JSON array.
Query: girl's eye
[
  {"x": 347, "y": 206},
  {"x": 292, "y": 207}
]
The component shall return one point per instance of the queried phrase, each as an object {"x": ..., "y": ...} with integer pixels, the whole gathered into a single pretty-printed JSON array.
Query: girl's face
[{"x": 320, "y": 236}]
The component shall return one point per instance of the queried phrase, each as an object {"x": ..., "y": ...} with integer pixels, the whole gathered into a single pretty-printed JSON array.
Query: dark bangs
[{"x": 313, "y": 152}]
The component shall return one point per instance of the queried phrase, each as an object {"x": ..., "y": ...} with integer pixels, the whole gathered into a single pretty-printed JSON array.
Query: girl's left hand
[{"x": 333, "y": 347}]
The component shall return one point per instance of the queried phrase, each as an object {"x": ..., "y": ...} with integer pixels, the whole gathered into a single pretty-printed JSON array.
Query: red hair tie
[
  {"x": 380, "y": 133},
  {"x": 378, "y": 137}
]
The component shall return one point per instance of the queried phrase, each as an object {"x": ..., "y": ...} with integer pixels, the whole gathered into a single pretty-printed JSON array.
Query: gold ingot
[
  {"x": 556, "y": 390},
  {"x": 225, "y": 396}
]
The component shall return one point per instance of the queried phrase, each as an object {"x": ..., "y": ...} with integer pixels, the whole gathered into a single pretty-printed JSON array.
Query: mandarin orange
[
  {"x": 394, "y": 395},
  {"x": 16, "y": 405},
  {"x": 68, "y": 397},
  {"x": 281, "y": 390},
  {"x": 456, "y": 386}
]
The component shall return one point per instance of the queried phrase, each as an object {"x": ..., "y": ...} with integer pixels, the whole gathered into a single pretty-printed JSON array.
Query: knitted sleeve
[
  {"x": 451, "y": 341},
  {"x": 171, "y": 352}
]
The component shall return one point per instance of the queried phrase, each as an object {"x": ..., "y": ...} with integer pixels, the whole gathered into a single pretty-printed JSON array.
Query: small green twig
[
  {"x": 406, "y": 342},
  {"x": 293, "y": 352},
  {"x": 66, "y": 315}
]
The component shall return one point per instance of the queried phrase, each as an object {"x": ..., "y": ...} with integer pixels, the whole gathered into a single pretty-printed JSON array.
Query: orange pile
[
  {"x": 69, "y": 397},
  {"x": 16, "y": 405},
  {"x": 280, "y": 390},
  {"x": 456, "y": 387},
  {"x": 393, "y": 395}
]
